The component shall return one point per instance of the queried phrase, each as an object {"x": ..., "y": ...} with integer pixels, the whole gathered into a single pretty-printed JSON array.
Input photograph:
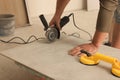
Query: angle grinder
[{"x": 53, "y": 33}]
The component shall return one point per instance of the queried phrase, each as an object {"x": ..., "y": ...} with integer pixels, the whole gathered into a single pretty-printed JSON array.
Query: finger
[
  {"x": 58, "y": 26},
  {"x": 55, "y": 24},
  {"x": 75, "y": 52},
  {"x": 81, "y": 54},
  {"x": 75, "y": 48},
  {"x": 78, "y": 53},
  {"x": 52, "y": 26},
  {"x": 51, "y": 23}
]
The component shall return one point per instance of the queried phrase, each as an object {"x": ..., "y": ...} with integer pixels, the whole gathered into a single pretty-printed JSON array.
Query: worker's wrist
[
  {"x": 58, "y": 14},
  {"x": 98, "y": 38},
  {"x": 97, "y": 45}
]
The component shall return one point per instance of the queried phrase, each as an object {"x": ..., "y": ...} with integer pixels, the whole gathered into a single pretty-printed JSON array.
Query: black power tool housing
[{"x": 53, "y": 33}]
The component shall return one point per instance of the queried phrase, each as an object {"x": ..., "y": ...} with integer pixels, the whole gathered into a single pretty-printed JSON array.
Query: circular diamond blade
[{"x": 51, "y": 34}]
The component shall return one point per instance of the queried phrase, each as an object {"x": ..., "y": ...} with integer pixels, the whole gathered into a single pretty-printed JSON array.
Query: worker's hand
[
  {"x": 55, "y": 21},
  {"x": 91, "y": 48}
]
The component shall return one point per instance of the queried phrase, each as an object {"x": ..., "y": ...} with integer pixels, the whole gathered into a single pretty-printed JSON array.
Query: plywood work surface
[{"x": 52, "y": 60}]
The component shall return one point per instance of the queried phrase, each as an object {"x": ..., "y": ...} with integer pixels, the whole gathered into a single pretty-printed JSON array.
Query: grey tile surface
[
  {"x": 10, "y": 71},
  {"x": 53, "y": 60}
]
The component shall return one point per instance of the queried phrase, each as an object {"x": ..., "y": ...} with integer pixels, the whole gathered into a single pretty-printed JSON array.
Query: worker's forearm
[
  {"x": 99, "y": 37},
  {"x": 61, "y": 4},
  {"x": 107, "y": 8}
]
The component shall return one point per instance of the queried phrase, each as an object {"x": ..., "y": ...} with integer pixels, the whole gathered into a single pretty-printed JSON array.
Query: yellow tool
[{"x": 95, "y": 59}]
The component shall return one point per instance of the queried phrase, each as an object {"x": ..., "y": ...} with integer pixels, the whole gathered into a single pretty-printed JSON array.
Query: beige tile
[{"x": 10, "y": 71}]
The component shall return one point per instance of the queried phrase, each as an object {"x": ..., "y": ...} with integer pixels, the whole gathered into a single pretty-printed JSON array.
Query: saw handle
[
  {"x": 63, "y": 21},
  {"x": 44, "y": 22}
]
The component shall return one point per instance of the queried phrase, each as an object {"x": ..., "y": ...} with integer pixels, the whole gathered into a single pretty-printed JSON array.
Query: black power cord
[
  {"x": 23, "y": 41},
  {"x": 35, "y": 38}
]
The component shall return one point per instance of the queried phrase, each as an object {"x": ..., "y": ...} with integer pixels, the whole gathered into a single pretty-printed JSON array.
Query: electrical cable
[
  {"x": 79, "y": 27},
  {"x": 23, "y": 41},
  {"x": 35, "y": 38},
  {"x": 75, "y": 34}
]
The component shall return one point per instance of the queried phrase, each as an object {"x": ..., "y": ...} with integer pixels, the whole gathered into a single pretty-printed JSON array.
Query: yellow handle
[
  {"x": 105, "y": 58},
  {"x": 94, "y": 59}
]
